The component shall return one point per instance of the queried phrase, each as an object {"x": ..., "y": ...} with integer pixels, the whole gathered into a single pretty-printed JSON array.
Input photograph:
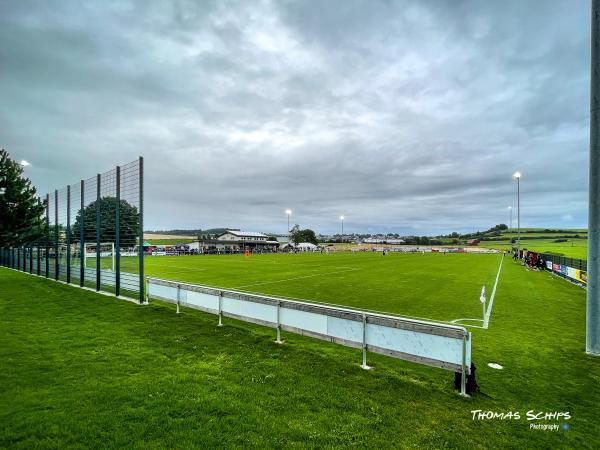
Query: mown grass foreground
[{"x": 78, "y": 369}]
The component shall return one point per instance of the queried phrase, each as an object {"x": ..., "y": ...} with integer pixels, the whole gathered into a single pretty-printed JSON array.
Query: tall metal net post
[
  {"x": 118, "y": 233},
  {"x": 46, "y": 239},
  {"x": 98, "y": 217},
  {"x": 56, "y": 233},
  {"x": 82, "y": 235},
  {"x": 62, "y": 232},
  {"x": 68, "y": 235},
  {"x": 38, "y": 258},
  {"x": 141, "y": 230}
]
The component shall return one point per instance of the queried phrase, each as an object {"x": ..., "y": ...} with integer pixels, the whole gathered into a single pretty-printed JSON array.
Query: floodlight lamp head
[
  {"x": 341, "y": 217},
  {"x": 517, "y": 175},
  {"x": 24, "y": 163},
  {"x": 288, "y": 212}
]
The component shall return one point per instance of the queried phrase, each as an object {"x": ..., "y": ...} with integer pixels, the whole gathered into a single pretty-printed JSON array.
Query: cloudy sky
[{"x": 405, "y": 116}]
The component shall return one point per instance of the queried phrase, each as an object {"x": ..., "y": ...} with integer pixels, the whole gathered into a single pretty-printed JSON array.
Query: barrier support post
[
  {"x": 278, "y": 340},
  {"x": 178, "y": 297},
  {"x": 364, "y": 344},
  {"x": 220, "y": 324},
  {"x": 463, "y": 376}
]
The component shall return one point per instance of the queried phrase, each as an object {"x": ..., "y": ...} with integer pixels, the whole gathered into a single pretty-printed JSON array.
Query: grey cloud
[{"x": 401, "y": 115}]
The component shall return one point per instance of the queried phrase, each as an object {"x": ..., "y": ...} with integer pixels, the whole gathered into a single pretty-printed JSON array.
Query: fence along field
[{"x": 97, "y": 219}]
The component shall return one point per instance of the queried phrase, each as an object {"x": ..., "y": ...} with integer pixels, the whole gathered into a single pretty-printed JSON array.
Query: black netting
[{"x": 92, "y": 234}]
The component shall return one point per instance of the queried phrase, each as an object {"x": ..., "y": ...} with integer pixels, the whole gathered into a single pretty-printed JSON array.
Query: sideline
[
  {"x": 488, "y": 313},
  {"x": 485, "y": 322}
]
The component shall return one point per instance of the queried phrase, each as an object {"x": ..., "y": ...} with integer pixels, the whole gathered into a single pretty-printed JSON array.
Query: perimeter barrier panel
[
  {"x": 434, "y": 344},
  {"x": 571, "y": 269}
]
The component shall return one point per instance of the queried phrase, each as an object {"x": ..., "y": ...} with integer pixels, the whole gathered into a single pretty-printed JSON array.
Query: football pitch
[
  {"x": 77, "y": 366},
  {"x": 431, "y": 285}
]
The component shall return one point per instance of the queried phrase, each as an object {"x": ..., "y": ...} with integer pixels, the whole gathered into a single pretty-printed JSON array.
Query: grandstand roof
[{"x": 246, "y": 233}]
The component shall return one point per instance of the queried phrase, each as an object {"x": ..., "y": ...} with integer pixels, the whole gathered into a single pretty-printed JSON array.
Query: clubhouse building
[{"x": 234, "y": 241}]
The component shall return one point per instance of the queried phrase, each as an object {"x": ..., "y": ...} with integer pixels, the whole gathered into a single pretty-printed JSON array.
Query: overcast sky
[{"x": 404, "y": 116}]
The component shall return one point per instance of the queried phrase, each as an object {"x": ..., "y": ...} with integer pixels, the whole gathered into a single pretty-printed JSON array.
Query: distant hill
[{"x": 563, "y": 242}]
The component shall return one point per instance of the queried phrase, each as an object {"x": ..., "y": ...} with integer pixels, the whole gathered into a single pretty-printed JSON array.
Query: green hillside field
[{"x": 573, "y": 248}]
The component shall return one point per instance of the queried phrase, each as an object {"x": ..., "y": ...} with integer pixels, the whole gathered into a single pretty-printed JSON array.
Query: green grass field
[
  {"x": 79, "y": 369},
  {"x": 399, "y": 283}
]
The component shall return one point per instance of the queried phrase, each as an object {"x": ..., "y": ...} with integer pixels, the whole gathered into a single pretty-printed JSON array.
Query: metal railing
[{"x": 431, "y": 343}]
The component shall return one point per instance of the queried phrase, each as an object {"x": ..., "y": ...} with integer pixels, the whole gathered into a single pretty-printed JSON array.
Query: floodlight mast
[
  {"x": 592, "y": 341},
  {"x": 517, "y": 175},
  {"x": 289, "y": 213},
  {"x": 342, "y": 220}
]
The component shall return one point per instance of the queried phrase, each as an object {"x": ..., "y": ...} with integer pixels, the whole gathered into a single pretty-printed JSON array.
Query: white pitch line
[
  {"x": 294, "y": 278},
  {"x": 187, "y": 268},
  {"x": 457, "y": 322},
  {"x": 460, "y": 320},
  {"x": 488, "y": 312}
]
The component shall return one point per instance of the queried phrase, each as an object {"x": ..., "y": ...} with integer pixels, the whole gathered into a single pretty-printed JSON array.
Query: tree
[
  {"x": 129, "y": 222},
  {"x": 308, "y": 235},
  {"x": 21, "y": 211},
  {"x": 297, "y": 235}
]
